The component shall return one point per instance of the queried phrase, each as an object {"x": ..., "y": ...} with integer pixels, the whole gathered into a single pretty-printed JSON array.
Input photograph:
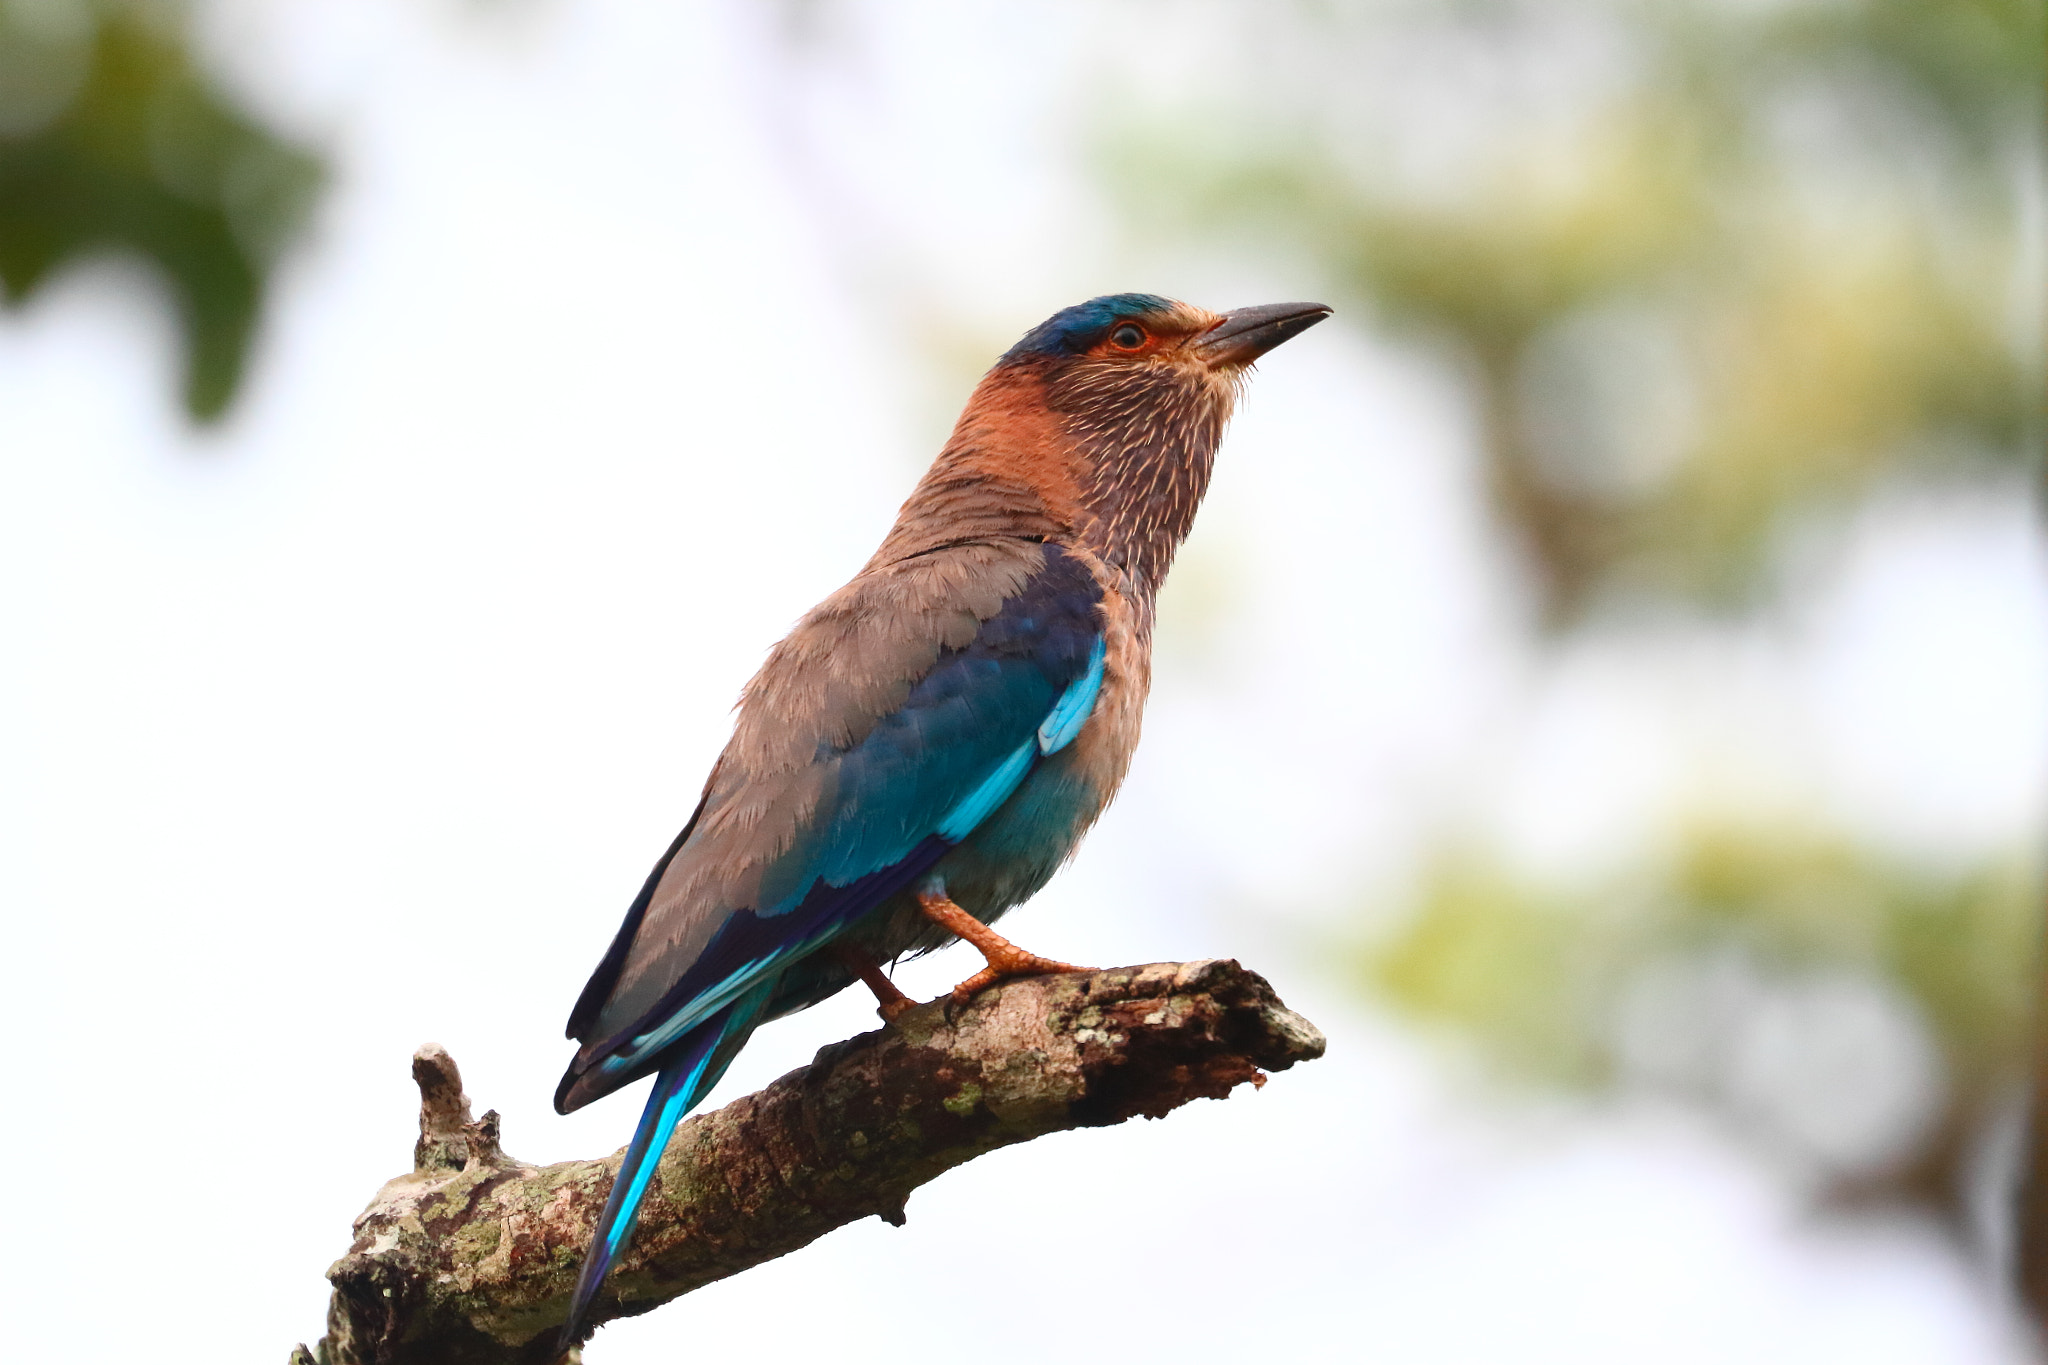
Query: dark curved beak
[{"x": 1245, "y": 334}]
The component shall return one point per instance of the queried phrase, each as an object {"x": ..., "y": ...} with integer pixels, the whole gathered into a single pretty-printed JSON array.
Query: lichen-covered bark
[{"x": 472, "y": 1255}]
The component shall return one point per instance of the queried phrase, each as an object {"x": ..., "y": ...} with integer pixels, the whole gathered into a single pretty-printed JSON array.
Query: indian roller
[{"x": 930, "y": 742}]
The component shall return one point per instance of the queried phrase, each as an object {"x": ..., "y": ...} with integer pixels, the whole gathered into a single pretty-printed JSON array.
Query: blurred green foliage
[
  {"x": 1542, "y": 976},
  {"x": 1783, "y": 256},
  {"x": 1711, "y": 273},
  {"x": 113, "y": 139}
]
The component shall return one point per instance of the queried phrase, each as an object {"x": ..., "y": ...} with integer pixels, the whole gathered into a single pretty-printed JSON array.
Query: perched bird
[{"x": 930, "y": 742}]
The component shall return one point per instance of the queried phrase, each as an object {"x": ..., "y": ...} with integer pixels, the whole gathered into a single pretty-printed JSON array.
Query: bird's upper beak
[{"x": 1244, "y": 334}]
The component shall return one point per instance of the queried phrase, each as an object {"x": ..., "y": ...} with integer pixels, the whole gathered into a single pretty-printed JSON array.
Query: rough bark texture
[{"x": 471, "y": 1256}]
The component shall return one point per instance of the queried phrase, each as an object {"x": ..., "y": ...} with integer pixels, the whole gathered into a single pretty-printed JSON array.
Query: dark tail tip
[{"x": 562, "y": 1105}]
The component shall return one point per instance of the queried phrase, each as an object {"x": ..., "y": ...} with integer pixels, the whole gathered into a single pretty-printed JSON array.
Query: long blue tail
[{"x": 693, "y": 1066}]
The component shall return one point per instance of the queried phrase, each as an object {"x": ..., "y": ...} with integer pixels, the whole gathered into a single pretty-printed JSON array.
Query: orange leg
[
  {"x": 890, "y": 1003},
  {"x": 1005, "y": 959}
]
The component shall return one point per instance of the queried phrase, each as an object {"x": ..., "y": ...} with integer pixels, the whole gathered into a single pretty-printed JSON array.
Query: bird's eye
[{"x": 1130, "y": 336}]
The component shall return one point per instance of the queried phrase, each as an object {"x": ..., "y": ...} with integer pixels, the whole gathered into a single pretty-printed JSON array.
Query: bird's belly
[
  {"x": 1017, "y": 849},
  {"x": 1011, "y": 856}
]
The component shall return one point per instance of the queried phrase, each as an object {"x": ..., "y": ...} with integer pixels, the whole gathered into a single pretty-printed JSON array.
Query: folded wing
[{"x": 893, "y": 720}]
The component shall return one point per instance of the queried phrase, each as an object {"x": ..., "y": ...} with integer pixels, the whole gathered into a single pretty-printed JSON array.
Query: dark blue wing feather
[
  {"x": 960, "y": 721},
  {"x": 884, "y": 820}
]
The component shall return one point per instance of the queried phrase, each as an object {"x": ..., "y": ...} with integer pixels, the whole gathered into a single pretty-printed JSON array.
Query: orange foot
[
  {"x": 1005, "y": 959},
  {"x": 890, "y": 1003}
]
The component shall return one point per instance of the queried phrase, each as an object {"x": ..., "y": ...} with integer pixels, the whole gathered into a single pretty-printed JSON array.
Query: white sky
[{"x": 357, "y": 723}]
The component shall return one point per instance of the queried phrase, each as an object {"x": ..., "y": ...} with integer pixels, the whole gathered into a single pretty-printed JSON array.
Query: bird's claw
[
  {"x": 1003, "y": 965},
  {"x": 1005, "y": 959}
]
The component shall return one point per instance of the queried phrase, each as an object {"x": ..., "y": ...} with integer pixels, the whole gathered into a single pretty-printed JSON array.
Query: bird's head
[
  {"x": 1135, "y": 390},
  {"x": 1139, "y": 335},
  {"x": 1099, "y": 427}
]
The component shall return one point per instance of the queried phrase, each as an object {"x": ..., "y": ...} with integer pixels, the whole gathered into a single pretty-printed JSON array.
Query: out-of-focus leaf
[
  {"x": 1711, "y": 273},
  {"x": 113, "y": 140},
  {"x": 1506, "y": 962},
  {"x": 1819, "y": 206},
  {"x": 1978, "y": 61},
  {"x": 1543, "y": 976}
]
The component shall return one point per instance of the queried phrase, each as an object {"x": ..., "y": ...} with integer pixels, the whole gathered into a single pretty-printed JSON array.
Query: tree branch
[{"x": 470, "y": 1258}]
